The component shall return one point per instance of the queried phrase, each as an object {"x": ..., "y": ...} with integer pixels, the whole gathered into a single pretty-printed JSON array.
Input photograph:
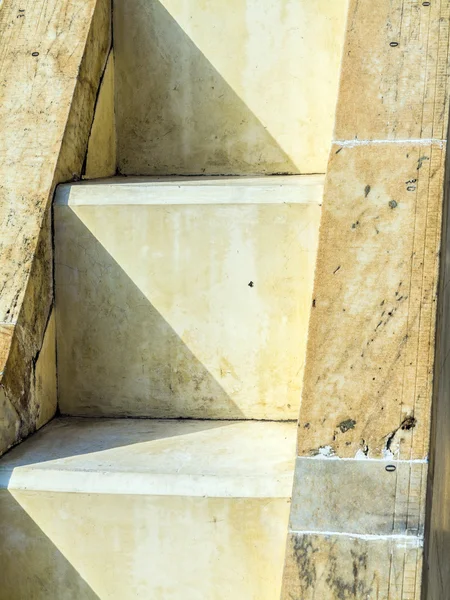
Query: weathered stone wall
[
  {"x": 53, "y": 55},
  {"x": 357, "y": 518}
]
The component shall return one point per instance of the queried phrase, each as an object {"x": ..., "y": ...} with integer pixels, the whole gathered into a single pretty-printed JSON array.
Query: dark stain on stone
[
  {"x": 408, "y": 423},
  {"x": 357, "y": 588},
  {"x": 366, "y": 191},
  {"x": 303, "y": 551},
  {"x": 421, "y": 161},
  {"x": 364, "y": 448},
  {"x": 347, "y": 425}
]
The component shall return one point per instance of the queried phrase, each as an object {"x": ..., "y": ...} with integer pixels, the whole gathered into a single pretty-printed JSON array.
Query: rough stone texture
[
  {"x": 72, "y": 157},
  {"x": 349, "y": 568},
  {"x": 370, "y": 347},
  {"x": 42, "y": 46},
  {"x": 388, "y": 91},
  {"x": 369, "y": 369},
  {"x": 237, "y": 87}
]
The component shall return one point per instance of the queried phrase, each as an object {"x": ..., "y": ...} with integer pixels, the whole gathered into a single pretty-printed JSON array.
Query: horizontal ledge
[
  {"x": 413, "y": 540},
  {"x": 387, "y": 461},
  {"x": 146, "y": 484},
  {"x": 232, "y": 459},
  {"x": 412, "y": 142},
  {"x": 293, "y": 189}
]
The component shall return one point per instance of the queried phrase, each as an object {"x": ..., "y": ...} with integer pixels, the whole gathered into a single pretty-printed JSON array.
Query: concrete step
[
  {"x": 135, "y": 508},
  {"x": 184, "y": 297}
]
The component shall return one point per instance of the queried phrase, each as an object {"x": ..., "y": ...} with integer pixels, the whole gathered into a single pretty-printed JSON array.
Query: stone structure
[
  {"x": 154, "y": 294},
  {"x": 364, "y": 428}
]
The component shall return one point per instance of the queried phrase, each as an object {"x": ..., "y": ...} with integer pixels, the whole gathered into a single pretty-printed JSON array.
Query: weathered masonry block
[{"x": 358, "y": 523}]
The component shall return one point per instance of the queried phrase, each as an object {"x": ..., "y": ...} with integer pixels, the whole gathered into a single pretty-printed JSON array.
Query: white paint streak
[
  {"x": 323, "y": 456},
  {"x": 409, "y": 540},
  {"x": 412, "y": 142},
  {"x": 326, "y": 451}
]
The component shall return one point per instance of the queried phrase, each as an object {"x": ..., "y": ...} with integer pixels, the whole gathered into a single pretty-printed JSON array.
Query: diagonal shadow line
[
  {"x": 31, "y": 564},
  {"x": 170, "y": 123},
  {"x": 103, "y": 368}
]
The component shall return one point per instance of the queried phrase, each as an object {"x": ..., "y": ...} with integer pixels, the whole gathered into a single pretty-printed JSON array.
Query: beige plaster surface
[
  {"x": 156, "y": 457},
  {"x": 101, "y": 151},
  {"x": 243, "y": 87},
  {"x": 61, "y": 546},
  {"x": 127, "y": 509},
  {"x": 184, "y": 298},
  {"x": 44, "y": 380}
]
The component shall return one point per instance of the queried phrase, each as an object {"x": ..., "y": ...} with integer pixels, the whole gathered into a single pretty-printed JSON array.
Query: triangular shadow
[
  {"x": 176, "y": 114},
  {"x": 117, "y": 355}
]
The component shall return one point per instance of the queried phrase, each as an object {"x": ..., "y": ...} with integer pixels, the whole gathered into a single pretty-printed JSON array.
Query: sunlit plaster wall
[{"x": 237, "y": 87}]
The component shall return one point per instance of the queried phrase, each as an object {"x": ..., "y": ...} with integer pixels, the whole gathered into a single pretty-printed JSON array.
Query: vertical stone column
[{"x": 357, "y": 516}]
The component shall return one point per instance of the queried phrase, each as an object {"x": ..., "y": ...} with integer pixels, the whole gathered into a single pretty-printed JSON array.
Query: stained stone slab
[
  {"x": 368, "y": 374},
  {"x": 333, "y": 567},
  {"x": 371, "y": 497},
  {"x": 394, "y": 71}
]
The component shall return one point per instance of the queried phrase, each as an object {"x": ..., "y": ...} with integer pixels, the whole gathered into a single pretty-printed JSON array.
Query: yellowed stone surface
[
  {"x": 163, "y": 509},
  {"x": 46, "y": 108},
  {"x": 101, "y": 153},
  {"x": 184, "y": 298},
  {"x": 57, "y": 546},
  {"x": 242, "y": 87},
  {"x": 394, "y": 71},
  {"x": 368, "y": 378},
  {"x": 369, "y": 370},
  {"x": 44, "y": 380}
]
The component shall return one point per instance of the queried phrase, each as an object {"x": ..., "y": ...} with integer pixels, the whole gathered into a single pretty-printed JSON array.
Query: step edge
[{"x": 148, "y": 484}]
